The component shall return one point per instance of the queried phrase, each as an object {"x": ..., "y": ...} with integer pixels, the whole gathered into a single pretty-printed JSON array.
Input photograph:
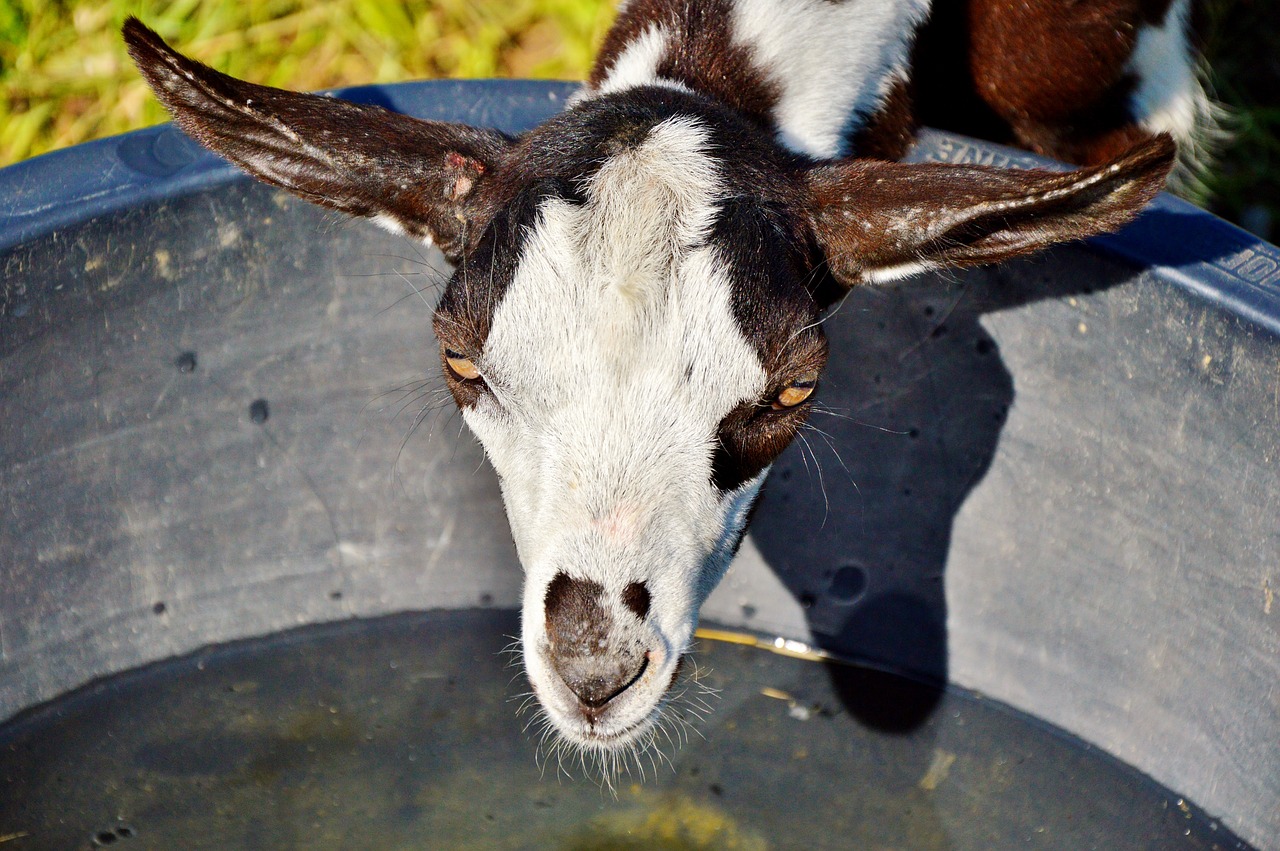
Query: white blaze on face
[{"x": 612, "y": 358}]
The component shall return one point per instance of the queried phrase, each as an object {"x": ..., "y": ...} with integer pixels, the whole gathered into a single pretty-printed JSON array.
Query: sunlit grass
[{"x": 65, "y": 77}]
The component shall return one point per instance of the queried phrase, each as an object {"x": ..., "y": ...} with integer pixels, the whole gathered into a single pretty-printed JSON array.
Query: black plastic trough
[{"x": 1062, "y": 485}]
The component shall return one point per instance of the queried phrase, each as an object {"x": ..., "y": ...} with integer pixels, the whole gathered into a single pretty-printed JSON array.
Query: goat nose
[
  {"x": 597, "y": 679},
  {"x": 584, "y": 645}
]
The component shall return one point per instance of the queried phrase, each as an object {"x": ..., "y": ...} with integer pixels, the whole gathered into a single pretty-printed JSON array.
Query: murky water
[{"x": 401, "y": 733}]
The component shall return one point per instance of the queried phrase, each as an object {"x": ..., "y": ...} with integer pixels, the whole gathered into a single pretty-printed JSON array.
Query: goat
[{"x": 632, "y": 329}]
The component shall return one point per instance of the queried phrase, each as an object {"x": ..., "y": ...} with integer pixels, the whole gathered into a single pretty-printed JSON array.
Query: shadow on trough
[{"x": 857, "y": 516}]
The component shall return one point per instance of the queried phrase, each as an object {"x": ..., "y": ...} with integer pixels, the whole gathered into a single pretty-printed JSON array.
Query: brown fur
[
  {"x": 888, "y": 133},
  {"x": 958, "y": 216},
  {"x": 1046, "y": 75}
]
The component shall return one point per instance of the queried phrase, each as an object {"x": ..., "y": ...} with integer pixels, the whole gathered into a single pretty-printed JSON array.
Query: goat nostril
[{"x": 636, "y": 598}]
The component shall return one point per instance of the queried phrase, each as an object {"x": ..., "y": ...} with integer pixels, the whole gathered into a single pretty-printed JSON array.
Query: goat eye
[
  {"x": 797, "y": 391},
  {"x": 461, "y": 365}
]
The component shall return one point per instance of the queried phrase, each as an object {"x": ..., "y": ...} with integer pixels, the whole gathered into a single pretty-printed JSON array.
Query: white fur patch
[
  {"x": 637, "y": 65},
  {"x": 612, "y": 359},
  {"x": 1169, "y": 97},
  {"x": 829, "y": 60},
  {"x": 902, "y": 271},
  {"x": 1165, "y": 99}
]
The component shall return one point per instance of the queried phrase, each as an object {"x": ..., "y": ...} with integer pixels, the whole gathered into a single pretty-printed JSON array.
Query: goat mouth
[
  {"x": 599, "y": 727},
  {"x": 593, "y": 708},
  {"x": 612, "y": 719}
]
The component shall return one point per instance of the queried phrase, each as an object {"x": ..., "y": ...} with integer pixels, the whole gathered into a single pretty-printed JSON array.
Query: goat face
[
  {"x": 633, "y": 340},
  {"x": 632, "y": 329}
]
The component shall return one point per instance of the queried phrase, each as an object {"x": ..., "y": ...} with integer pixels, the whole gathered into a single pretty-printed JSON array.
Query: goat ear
[
  {"x": 880, "y": 221},
  {"x": 421, "y": 177}
]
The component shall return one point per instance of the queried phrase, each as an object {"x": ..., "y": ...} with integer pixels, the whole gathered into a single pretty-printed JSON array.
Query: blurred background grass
[{"x": 65, "y": 77}]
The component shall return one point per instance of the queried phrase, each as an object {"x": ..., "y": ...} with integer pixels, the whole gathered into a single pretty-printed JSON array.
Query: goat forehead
[{"x": 622, "y": 301}]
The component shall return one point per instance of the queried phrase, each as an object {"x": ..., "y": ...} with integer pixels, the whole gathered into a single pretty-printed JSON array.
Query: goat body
[{"x": 632, "y": 328}]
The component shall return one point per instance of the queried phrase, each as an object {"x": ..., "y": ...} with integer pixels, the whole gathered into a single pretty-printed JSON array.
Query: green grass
[{"x": 65, "y": 77}]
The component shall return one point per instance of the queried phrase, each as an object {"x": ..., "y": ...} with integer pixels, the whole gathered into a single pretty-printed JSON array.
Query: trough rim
[{"x": 61, "y": 188}]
